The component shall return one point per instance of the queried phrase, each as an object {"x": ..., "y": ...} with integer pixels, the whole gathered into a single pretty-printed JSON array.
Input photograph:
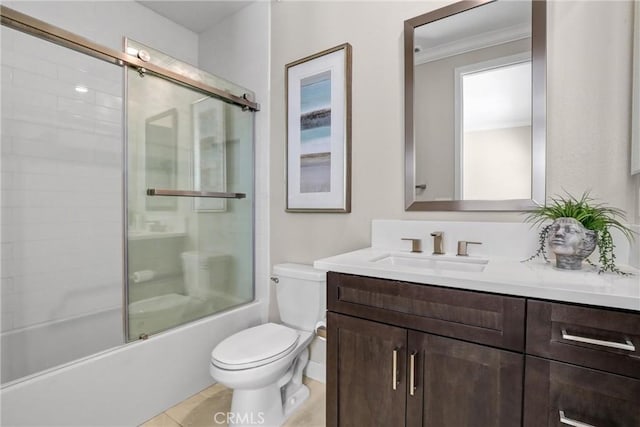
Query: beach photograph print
[{"x": 315, "y": 133}]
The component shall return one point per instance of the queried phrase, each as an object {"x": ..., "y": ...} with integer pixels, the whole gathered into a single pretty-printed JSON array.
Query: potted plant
[{"x": 596, "y": 219}]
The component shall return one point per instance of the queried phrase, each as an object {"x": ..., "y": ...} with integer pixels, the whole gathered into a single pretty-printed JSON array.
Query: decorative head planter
[
  {"x": 579, "y": 225},
  {"x": 571, "y": 243}
]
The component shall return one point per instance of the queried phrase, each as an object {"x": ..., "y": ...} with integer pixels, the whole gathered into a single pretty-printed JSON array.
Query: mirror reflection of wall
[{"x": 493, "y": 138}]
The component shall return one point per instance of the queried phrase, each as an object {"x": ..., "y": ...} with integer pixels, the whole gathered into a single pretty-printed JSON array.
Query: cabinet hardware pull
[
  {"x": 570, "y": 422},
  {"x": 412, "y": 374},
  {"x": 394, "y": 375},
  {"x": 628, "y": 345}
]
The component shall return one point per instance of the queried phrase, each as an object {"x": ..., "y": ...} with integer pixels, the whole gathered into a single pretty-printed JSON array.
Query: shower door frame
[{"x": 27, "y": 24}]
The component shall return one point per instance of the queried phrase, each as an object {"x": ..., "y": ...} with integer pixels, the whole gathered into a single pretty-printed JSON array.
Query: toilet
[
  {"x": 161, "y": 312},
  {"x": 264, "y": 364}
]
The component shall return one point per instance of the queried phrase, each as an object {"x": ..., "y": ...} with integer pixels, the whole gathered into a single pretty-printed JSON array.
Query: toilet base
[
  {"x": 273, "y": 404},
  {"x": 264, "y": 406}
]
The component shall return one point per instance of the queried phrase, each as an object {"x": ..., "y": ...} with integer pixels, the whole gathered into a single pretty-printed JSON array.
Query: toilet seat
[{"x": 255, "y": 347}]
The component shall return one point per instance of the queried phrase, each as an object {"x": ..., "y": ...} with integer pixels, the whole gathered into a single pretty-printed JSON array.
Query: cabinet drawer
[
  {"x": 596, "y": 338},
  {"x": 478, "y": 317},
  {"x": 559, "y": 394}
]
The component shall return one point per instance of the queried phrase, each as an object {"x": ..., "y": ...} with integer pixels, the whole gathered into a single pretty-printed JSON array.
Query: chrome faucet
[
  {"x": 462, "y": 247},
  {"x": 437, "y": 242}
]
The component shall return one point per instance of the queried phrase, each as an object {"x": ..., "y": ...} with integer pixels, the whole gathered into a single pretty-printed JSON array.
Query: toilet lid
[{"x": 254, "y": 347}]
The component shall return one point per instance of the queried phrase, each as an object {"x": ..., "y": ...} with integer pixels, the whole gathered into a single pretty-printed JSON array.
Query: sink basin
[{"x": 433, "y": 262}]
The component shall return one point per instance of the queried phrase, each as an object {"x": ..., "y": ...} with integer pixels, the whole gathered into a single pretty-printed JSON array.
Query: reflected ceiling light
[{"x": 82, "y": 89}]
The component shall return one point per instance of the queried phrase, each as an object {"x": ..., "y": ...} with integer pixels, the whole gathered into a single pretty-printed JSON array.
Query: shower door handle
[{"x": 186, "y": 193}]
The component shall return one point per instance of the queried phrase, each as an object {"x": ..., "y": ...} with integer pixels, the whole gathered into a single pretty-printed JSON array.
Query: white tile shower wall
[{"x": 62, "y": 183}]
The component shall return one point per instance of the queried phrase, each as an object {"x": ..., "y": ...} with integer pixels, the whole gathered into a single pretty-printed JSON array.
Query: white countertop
[{"x": 535, "y": 279}]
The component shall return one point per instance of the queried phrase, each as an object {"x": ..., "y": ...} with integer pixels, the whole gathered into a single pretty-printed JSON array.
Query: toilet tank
[{"x": 302, "y": 295}]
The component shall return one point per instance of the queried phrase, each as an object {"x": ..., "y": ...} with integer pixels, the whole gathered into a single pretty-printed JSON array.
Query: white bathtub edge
[{"x": 129, "y": 384}]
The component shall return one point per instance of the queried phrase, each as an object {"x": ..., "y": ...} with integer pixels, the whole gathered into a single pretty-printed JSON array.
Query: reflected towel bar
[{"x": 183, "y": 193}]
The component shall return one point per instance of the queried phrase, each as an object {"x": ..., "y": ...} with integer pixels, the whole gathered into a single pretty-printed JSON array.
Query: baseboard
[{"x": 316, "y": 371}]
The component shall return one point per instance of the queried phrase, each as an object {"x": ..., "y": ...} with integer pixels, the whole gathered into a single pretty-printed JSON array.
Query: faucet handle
[
  {"x": 416, "y": 244},
  {"x": 462, "y": 247},
  {"x": 437, "y": 242}
]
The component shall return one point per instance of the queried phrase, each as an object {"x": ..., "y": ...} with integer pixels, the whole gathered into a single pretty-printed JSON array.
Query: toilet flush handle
[{"x": 275, "y": 280}]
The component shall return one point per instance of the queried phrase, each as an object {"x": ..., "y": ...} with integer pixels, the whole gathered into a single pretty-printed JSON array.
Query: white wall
[
  {"x": 589, "y": 104},
  {"x": 589, "y": 81},
  {"x": 237, "y": 49}
]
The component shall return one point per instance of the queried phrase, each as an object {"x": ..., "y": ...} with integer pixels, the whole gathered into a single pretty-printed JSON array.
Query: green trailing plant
[{"x": 592, "y": 215}]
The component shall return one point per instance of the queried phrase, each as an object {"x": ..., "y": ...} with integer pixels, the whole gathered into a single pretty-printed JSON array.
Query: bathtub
[
  {"x": 33, "y": 349},
  {"x": 125, "y": 385}
]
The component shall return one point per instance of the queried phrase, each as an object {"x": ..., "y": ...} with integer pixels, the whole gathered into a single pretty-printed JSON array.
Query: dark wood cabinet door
[
  {"x": 462, "y": 384},
  {"x": 558, "y": 394},
  {"x": 360, "y": 373}
]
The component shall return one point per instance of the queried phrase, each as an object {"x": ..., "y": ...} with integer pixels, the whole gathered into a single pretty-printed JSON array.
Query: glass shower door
[
  {"x": 189, "y": 204},
  {"x": 61, "y": 163}
]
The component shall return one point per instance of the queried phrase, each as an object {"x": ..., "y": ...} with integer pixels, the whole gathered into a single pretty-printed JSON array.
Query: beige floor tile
[
  {"x": 200, "y": 410},
  {"x": 162, "y": 420},
  {"x": 210, "y": 391},
  {"x": 182, "y": 410}
]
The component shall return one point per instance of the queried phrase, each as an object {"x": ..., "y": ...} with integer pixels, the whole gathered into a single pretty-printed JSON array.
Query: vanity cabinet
[{"x": 405, "y": 354}]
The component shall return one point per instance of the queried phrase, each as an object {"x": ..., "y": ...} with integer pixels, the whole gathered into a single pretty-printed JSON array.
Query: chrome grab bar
[
  {"x": 570, "y": 422},
  {"x": 627, "y": 345},
  {"x": 185, "y": 193}
]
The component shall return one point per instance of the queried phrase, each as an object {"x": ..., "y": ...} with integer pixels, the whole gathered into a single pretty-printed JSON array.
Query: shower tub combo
[{"x": 127, "y": 207}]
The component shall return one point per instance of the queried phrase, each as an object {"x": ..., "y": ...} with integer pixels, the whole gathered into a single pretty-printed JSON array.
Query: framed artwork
[
  {"x": 318, "y": 99},
  {"x": 209, "y": 153}
]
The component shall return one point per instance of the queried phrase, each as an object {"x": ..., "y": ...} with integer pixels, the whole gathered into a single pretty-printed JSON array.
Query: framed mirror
[
  {"x": 475, "y": 107},
  {"x": 161, "y": 165}
]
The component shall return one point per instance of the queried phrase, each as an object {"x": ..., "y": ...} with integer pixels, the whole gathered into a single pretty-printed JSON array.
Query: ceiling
[{"x": 197, "y": 16}]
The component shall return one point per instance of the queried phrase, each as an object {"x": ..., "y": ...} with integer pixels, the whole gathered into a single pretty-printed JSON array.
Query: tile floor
[{"x": 199, "y": 409}]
